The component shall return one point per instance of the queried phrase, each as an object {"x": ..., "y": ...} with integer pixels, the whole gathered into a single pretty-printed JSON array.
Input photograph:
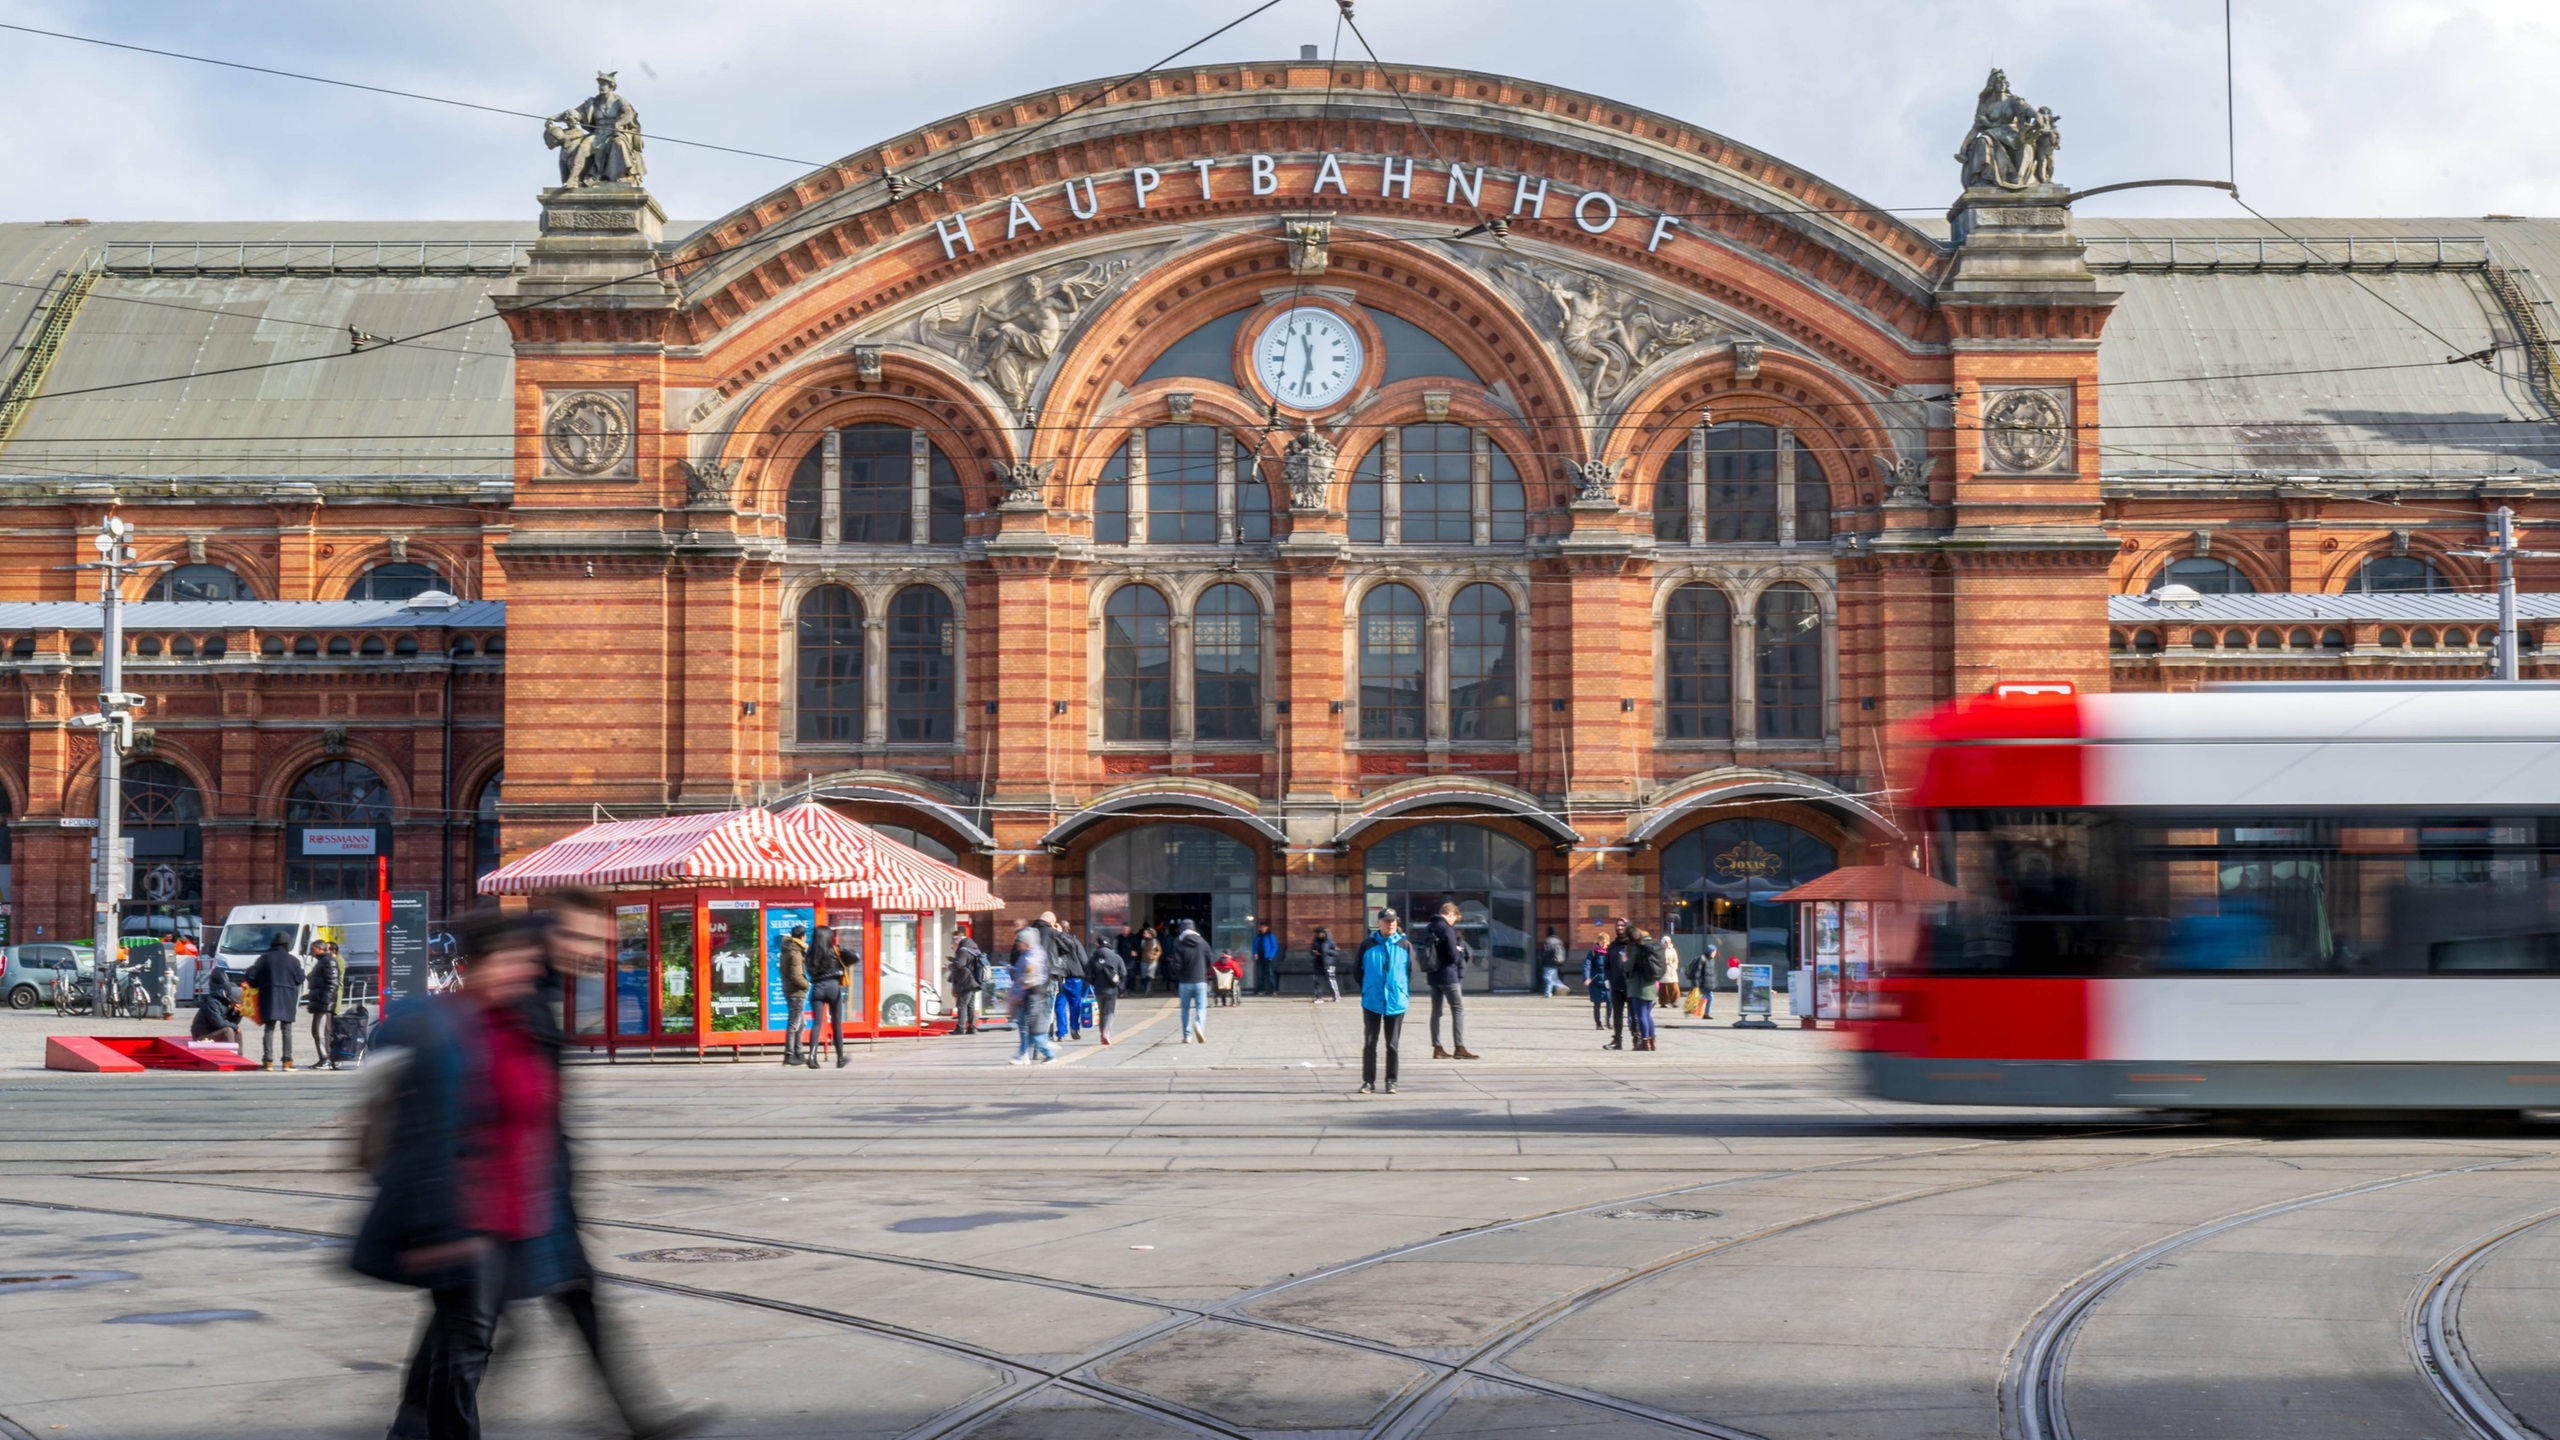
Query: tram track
[
  {"x": 2435, "y": 1340},
  {"x": 2033, "y": 1401}
]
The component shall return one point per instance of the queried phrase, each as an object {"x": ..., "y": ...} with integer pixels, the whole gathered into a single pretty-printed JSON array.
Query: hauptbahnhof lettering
[{"x": 1609, "y": 547}]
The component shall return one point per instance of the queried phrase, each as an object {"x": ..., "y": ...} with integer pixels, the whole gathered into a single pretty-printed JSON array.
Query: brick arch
[
  {"x": 770, "y": 434},
  {"x": 1831, "y": 419},
  {"x": 1115, "y": 344},
  {"x": 1529, "y": 446},
  {"x": 2461, "y": 570},
  {"x": 2144, "y": 564},
  {"x": 289, "y": 766},
  {"x": 333, "y": 575},
  {"x": 80, "y": 787},
  {"x": 226, "y": 550},
  {"x": 1087, "y": 448}
]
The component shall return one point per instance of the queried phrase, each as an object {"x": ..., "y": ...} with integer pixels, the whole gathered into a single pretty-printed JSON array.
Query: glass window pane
[
  {"x": 1182, "y": 484},
  {"x": 1367, "y": 523},
  {"x": 1813, "y": 498},
  {"x": 1790, "y": 673},
  {"x": 877, "y": 482},
  {"x": 1226, "y": 648},
  {"x": 1111, "y": 500},
  {"x": 1742, "y": 482},
  {"x": 804, "y": 504},
  {"x": 943, "y": 494},
  {"x": 1671, "y": 498},
  {"x": 1254, "y": 499},
  {"x": 1137, "y": 665},
  {"x": 200, "y": 583},
  {"x": 397, "y": 582},
  {"x": 923, "y": 640},
  {"x": 2204, "y": 575},
  {"x": 1438, "y": 484},
  {"x": 1483, "y": 696},
  {"x": 829, "y": 692},
  {"x": 2397, "y": 575},
  {"x": 1510, "y": 501},
  {"x": 1697, "y": 664},
  {"x": 1391, "y": 662}
]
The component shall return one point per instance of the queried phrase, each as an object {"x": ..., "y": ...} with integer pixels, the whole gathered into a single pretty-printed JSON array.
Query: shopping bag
[{"x": 1697, "y": 1006}]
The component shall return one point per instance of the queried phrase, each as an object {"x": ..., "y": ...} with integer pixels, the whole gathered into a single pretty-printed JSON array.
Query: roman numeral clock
[{"x": 1309, "y": 357}]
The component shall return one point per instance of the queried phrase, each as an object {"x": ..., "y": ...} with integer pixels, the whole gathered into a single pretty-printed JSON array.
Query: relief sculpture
[
  {"x": 1606, "y": 333},
  {"x": 1007, "y": 333}
]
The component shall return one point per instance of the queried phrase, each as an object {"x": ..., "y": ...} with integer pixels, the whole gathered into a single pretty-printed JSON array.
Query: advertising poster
[
  {"x": 1857, "y": 958},
  {"x": 736, "y": 943},
  {"x": 780, "y": 921},
  {"x": 631, "y": 970},
  {"x": 1753, "y": 981}
]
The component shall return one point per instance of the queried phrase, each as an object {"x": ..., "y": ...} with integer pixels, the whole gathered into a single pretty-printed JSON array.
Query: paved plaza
[{"x": 1720, "y": 1238}]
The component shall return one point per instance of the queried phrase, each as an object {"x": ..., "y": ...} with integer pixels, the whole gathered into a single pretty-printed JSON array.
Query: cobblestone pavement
[{"x": 1719, "y": 1238}]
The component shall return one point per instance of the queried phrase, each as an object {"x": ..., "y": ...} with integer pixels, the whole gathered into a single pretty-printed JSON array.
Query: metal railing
[
  {"x": 2279, "y": 253},
  {"x": 314, "y": 257}
]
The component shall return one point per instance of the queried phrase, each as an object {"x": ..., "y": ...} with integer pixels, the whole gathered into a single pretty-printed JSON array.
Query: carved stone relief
[
  {"x": 586, "y": 434},
  {"x": 1007, "y": 333},
  {"x": 1594, "y": 481},
  {"x": 708, "y": 482},
  {"x": 1310, "y": 242},
  {"x": 1607, "y": 333},
  {"x": 1906, "y": 478},
  {"x": 1307, "y": 465},
  {"x": 1025, "y": 484},
  {"x": 2026, "y": 430}
]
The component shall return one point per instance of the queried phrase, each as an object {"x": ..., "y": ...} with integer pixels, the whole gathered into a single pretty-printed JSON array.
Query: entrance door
[
  {"x": 1192, "y": 905},
  {"x": 1717, "y": 884},
  {"x": 1485, "y": 871}
]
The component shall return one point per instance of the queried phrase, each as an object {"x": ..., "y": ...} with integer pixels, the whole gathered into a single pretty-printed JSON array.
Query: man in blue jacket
[
  {"x": 1386, "y": 983},
  {"x": 1266, "y": 961}
]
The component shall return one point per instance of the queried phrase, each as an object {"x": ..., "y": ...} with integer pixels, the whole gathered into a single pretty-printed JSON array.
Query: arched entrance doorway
[
  {"x": 163, "y": 819},
  {"x": 1487, "y": 872},
  {"x": 1156, "y": 874},
  {"x": 1717, "y": 880}
]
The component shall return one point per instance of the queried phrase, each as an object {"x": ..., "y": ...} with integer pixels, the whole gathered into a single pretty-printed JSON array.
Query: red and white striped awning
[
  {"x": 729, "y": 847},
  {"x": 890, "y": 874}
]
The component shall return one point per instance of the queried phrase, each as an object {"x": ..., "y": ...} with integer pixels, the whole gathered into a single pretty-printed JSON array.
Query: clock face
[{"x": 1307, "y": 357}]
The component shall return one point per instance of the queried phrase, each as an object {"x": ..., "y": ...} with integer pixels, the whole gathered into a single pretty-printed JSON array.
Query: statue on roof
[
  {"x": 2012, "y": 143},
  {"x": 599, "y": 141}
]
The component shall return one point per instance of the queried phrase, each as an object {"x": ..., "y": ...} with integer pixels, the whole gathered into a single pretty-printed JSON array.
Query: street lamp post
[
  {"x": 113, "y": 722},
  {"x": 2503, "y": 538}
]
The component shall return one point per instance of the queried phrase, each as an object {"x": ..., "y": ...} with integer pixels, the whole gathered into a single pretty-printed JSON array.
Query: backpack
[{"x": 1645, "y": 964}]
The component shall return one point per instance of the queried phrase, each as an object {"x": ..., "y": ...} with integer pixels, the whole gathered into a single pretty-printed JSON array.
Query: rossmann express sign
[{"x": 337, "y": 842}]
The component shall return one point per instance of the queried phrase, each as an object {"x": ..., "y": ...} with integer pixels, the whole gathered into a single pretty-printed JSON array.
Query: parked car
[{"x": 27, "y": 971}]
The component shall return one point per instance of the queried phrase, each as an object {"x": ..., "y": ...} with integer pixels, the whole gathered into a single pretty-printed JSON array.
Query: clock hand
[{"x": 1306, "y": 361}]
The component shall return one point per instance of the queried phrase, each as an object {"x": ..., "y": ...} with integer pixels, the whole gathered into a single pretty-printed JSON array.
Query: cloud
[{"x": 2378, "y": 107}]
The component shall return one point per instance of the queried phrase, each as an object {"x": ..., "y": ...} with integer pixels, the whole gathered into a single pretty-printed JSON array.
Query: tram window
[{"x": 2097, "y": 892}]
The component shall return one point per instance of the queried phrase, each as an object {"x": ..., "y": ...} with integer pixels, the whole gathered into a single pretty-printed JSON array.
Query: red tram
[{"x": 2291, "y": 897}]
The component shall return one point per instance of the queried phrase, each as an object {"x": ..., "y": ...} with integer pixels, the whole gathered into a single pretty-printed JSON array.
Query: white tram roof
[{"x": 2460, "y": 746}]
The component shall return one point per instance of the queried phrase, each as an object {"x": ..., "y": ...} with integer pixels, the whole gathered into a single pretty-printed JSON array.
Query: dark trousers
[
  {"x": 791, "y": 1024},
  {"x": 1372, "y": 1027},
  {"x": 267, "y": 1042},
  {"x": 1617, "y": 1017},
  {"x": 826, "y": 998},
  {"x": 1266, "y": 975},
  {"x": 320, "y": 1037},
  {"x": 440, "y": 1396},
  {"x": 967, "y": 1020},
  {"x": 1451, "y": 997},
  {"x": 1105, "y": 1004}
]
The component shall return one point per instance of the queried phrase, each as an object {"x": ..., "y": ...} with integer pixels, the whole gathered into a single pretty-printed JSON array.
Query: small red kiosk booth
[{"x": 702, "y": 904}]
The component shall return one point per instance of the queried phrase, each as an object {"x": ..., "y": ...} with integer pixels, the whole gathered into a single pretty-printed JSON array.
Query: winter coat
[
  {"x": 439, "y": 1101},
  {"x": 968, "y": 969},
  {"x": 1266, "y": 945},
  {"x": 1386, "y": 984},
  {"x": 1066, "y": 956},
  {"x": 320, "y": 984},
  {"x": 216, "y": 1000},
  {"x": 1595, "y": 970},
  {"x": 1105, "y": 972},
  {"x": 825, "y": 961},
  {"x": 1621, "y": 951},
  {"x": 795, "y": 965},
  {"x": 277, "y": 977},
  {"x": 1324, "y": 954},
  {"x": 1646, "y": 966},
  {"x": 1191, "y": 959},
  {"x": 1444, "y": 953},
  {"x": 1551, "y": 954}
]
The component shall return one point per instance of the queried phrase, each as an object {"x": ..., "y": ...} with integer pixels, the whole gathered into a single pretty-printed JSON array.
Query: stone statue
[
  {"x": 1607, "y": 334},
  {"x": 2012, "y": 143},
  {"x": 1594, "y": 480},
  {"x": 1307, "y": 464},
  {"x": 1024, "y": 482},
  {"x": 599, "y": 142},
  {"x": 1006, "y": 334},
  {"x": 1310, "y": 243}
]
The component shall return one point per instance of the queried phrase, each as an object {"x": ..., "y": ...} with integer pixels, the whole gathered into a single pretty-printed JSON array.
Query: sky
[{"x": 2345, "y": 107}]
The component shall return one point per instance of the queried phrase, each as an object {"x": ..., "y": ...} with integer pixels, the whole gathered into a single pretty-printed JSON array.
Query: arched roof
[
  {"x": 1422, "y": 795},
  {"x": 1206, "y": 797},
  {"x": 1721, "y": 787}
]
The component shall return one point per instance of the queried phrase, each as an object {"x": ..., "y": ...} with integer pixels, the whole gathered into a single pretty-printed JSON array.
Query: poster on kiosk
[{"x": 779, "y": 922}]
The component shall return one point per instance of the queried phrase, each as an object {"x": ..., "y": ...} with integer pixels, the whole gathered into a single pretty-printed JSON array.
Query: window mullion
[
  {"x": 1480, "y": 486},
  {"x": 1746, "y": 677},
  {"x": 831, "y": 488},
  {"x": 1786, "y": 485},
  {"x": 1391, "y": 490},
  {"x": 1185, "y": 692},
  {"x": 1141, "y": 511},
  {"x": 919, "y": 488},
  {"x": 1435, "y": 679},
  {"x": 1698, "y": 485},
  {"x": 1226, "y": 491},
  {"x": 875, "y": 671}
]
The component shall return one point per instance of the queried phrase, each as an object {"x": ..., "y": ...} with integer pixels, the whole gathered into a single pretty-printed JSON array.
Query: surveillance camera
[{"x": 91, "y": 721}]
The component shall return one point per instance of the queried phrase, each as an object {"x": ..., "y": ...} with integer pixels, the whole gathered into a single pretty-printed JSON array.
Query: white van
[{"x": 355, "y": 925}]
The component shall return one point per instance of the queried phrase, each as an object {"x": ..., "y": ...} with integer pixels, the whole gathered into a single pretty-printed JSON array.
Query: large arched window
[
  {"x": 1671, "y": 498},
  {"x": 923, "y": 640},
  {"x": 1391, "y": 664},
  {"x": 2397, "y": 575},
  {"x": 200, "y": 582},
  {"x": 1157, "y": 874},
  {"x": 883, "y": 473},
  {"x": 163, "y": 821},
  {"x": 1176, "y": 501},
  {"x": 1790, "y": 672},
  {"x": 830, "y": 666},
  {"x": 1742, "y": 482},
  {"x": 484, "y": 827},
  {"x": 1226, "y": 665},
  {"x": 1697, "y": 664},
  {"x": 1484, "y": 700},
  {"x": 1438, "y": 485},
  {"x": 1720, "y": 884},
  {"x": 399, "y": 581},
  {"x": 1137, "y": 665},
  {"x": 2204, "y": 575},
  {"x": 329, "y": 854},
  {"x": 1813, "y": 498}
]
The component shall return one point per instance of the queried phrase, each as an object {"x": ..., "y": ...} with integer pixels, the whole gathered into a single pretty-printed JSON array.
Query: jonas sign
[{"x": 1385, "y": 177}]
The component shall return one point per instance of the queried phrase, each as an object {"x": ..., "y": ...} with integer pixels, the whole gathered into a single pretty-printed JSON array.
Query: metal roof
[
  {"x": 252, "y": 615},
  {"x": 2215, "y": 609}
]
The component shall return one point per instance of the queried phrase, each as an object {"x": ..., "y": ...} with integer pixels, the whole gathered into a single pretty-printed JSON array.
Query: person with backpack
[
  {"x": 1386, "y": 986},
  {"x": 825, "y": 973},
  {"x": 277, "y": 977},
  {"x": 1595, "y": 977},
  {"x": 795, "y": 993},
  {"x": 1698, "y": 974},
  {"x": 1325, "y": 957},
  {"x": 1646, "y": 965},
  {"x": 1066, "y": 976},
  {"x": 1266, "y": 960},
  {"x": 217, "y": 1009},
  {"x": 1104, "y": 974},
  {"x": 1034, "y": 1000},
  {"x": 320, "y": 998},
  {"x": 1622, "y": 942},
  {"x": 1189, "y": 965},
  {"x": 1550, "y": 965},
  {"x": 967, "y": 976},
  {"x": 1444, "y": 954}
]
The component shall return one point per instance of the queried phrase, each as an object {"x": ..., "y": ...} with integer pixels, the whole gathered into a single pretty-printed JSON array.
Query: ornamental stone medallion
[
  {"x": 2026, "y": 431},
  {"x": 586, "y": 435}
]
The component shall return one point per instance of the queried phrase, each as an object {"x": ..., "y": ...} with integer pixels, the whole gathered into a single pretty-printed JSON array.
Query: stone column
[
  {"x": 919, "y": 488},
  {"x": 1138, "y": 525},
  {"x": 1435, "y": 679},
  {"x": 1746, "y": 673},
  {"x": 1391, "y": 488},
  {"x": 1698, "y": 485},
  {"x": 1182, "y": 677},
  {"x": 1787, "y": 486},
  {"x": 1226, "y": 490},
  {"x": 875, "y": 677},
  {"x": 831, "y": 488},
  {"x": 1480, "y": 487}
]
